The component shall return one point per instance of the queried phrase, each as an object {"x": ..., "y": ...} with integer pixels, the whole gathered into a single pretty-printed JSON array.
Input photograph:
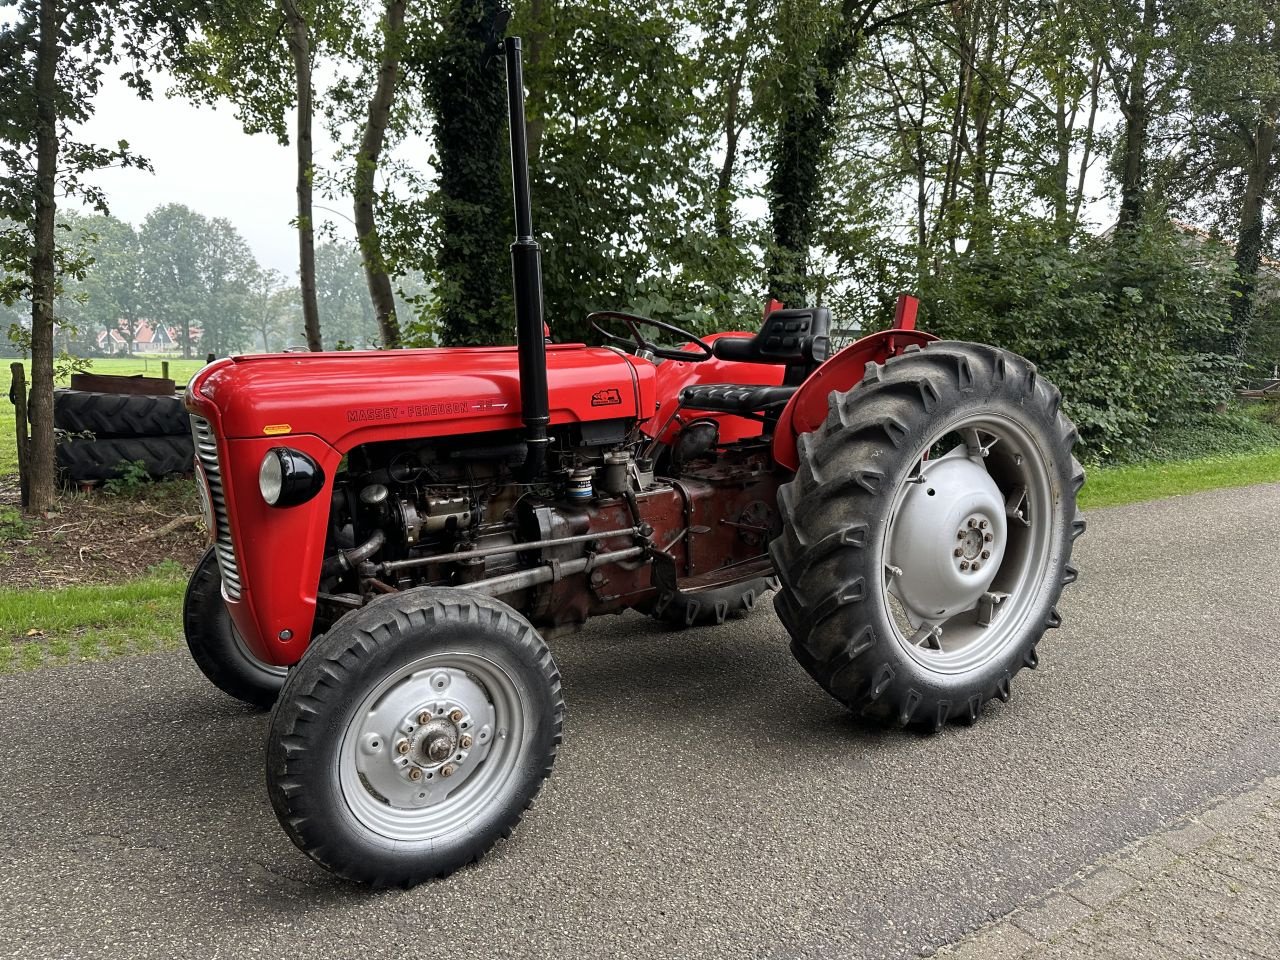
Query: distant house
[{"x": 146, "y": 339}]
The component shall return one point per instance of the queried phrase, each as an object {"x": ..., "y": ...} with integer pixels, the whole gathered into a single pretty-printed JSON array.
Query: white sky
[{"x": 204, "y": 159}]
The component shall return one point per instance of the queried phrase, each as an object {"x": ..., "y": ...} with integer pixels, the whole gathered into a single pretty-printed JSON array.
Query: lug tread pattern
[
  {"x": 837, "y": 500},
  {"x": 310, "y": 703},
  {"x": 108, "y": 415},
  {"x": 81, "y": 460}
]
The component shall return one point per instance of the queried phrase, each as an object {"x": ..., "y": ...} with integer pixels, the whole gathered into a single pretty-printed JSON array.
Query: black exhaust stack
[{"x": 526, "y": 277}]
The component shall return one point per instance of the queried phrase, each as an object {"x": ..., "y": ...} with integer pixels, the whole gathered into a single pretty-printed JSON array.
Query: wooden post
[
  {"x": 18, "y": 394},
  {"x": 164, "y": 369}
]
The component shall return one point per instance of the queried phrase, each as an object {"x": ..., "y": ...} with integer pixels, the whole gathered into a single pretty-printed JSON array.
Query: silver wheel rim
[
  {"x": 247, "y": 654},
  {"x": 433, "y": 747},
  {"x": 968, "y": 545}
]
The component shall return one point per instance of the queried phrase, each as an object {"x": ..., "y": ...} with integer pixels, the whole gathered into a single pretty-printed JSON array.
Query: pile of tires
[{"x": 105, "y": 432}]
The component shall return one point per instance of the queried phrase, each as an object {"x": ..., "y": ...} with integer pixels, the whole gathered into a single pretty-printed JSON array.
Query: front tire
[
  {"x": 927, "y": 534},
  {"x": 215, "y": 645},
  {"x": 413, "y": 736}
]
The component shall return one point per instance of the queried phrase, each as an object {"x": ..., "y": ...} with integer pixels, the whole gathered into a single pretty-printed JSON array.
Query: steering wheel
[{"x": 647, "y": 347}]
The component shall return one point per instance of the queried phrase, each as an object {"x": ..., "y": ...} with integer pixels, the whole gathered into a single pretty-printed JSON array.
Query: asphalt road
[{"x": 709, "y": 799}]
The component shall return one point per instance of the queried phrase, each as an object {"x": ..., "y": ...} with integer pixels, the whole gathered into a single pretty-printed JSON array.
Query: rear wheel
[
  {"x": 217, "y": 648},
  {"x": 414, "y": 735},
  {"x": 928, "y": 533}
]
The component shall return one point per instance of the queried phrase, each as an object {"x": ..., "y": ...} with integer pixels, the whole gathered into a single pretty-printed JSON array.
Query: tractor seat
[
  {"x": 735, "y": 398},
  {"x": 796, "y": 338}
]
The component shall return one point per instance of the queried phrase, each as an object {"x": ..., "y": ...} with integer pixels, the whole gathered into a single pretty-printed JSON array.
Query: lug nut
[
  {"x": 446, "y": 770},
  {"x": 964, "y": 564},
  {"x": 466, "y": 741},
  {"x": 982, "y": 524},
  {"x": 402, "y": 747},
  {"x": 988, "y": 536},
  {"x": 455, "y": 715},
  {"x": 972, "y": 523},
  {"x": 959, "y": 534},
  {"x": 424, "y": 717},
  {"x": 959, "y": 551},
  {"x": 415, "y": 774},
  {"x": 986, "y": 554},
  {"x": 976, "y": 566}
]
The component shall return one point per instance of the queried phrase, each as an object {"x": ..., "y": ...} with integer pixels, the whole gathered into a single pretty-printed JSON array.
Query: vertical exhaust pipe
[{"x": 526, "y": 278}]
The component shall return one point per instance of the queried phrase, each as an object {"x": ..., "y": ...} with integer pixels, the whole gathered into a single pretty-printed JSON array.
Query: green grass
[
  {"x": 43, "y": 627},
  {"x": 1131, "y": 483},
  {"x": 179, "y": 370}
]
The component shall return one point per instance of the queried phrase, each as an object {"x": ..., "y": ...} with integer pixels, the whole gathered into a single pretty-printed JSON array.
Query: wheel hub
[
  {"x": 947, "y": 539},
  {"x": 426, "y": 737}
]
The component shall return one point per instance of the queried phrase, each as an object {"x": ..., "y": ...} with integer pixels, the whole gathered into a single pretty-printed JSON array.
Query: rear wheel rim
[
  {"x": 988, "y": 501},
  {"x": 395, "y": 776}
]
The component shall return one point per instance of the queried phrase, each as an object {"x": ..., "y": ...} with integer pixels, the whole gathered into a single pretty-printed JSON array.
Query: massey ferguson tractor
[{"x": 396, "y": 535}]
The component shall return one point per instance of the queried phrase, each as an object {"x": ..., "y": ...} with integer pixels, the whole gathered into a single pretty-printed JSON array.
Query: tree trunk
[
  {"x": 298, "y": 38},
  {"x": 40, "y": 460},
  {"x": 1133, "y": 165},
  {"x": 364, "y": 187},
  {"x": 1250, "y": 237},
  {"x": 733, "y": 126}
]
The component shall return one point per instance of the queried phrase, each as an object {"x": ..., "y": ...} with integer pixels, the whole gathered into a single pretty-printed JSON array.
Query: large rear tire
[
  {"x": 413, "y": 736},
  {"x": 927, "y": 534},
  {"x": 215, "y": 646}
]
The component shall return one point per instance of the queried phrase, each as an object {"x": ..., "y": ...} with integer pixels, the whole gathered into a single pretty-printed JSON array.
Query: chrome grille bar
[{"x": 207, "y": 453}]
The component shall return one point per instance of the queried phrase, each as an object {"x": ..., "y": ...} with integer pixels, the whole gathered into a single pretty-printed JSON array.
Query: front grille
[{"x": 207, "y": 453}]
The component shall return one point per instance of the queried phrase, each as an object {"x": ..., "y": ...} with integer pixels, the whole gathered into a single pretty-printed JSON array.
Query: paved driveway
[{"x": 709, "y": 800}]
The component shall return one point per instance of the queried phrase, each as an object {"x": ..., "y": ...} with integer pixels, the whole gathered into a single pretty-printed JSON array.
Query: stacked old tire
[{"x": 112, "y": 427}]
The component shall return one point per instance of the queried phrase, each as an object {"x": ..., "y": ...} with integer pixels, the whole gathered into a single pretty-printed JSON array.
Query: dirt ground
[{"x": 99, "y": 536}]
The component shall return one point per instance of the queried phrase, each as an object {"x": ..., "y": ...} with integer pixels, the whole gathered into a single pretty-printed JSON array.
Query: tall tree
[
  {"x": 261, "y": 57},
  {"x": 467, "y": 97},
  {"x": 52, "y": 57},
  {"x": 364, "y": 185}
]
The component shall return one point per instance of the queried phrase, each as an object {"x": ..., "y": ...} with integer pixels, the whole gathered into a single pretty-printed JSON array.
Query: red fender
[{"x": 807, "y": 408}]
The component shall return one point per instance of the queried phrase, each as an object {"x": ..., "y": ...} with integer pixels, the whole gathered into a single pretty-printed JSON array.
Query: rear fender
[{"x": 807, "y": 408}]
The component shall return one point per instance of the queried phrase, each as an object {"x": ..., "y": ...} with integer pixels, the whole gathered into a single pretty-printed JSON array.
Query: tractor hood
[{"x": 355, "y": 397}]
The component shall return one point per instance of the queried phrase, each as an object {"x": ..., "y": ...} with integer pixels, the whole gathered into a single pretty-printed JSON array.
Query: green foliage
[
  {"x": 133, "y": 478},
  {"x": 473, "y": 214},
  {"x": 1113, "y": 324}
]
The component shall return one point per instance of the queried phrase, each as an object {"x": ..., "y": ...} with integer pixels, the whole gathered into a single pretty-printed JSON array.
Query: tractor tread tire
[
  {"x": 311, "y": 716},
  {"x": 713, "y": 606},
  {"x": 213, "y": 645},
  {"x": 95, "y": 460},
  {"x": 836, "y": 508},
  {"x": 110, "y": 415}
]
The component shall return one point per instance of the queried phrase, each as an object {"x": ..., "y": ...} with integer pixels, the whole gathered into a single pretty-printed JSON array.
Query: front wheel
[
  {"x": 217, "y": 647},
  {"x": 413, "y": 736},
  {"x": 928, "y": 533}
]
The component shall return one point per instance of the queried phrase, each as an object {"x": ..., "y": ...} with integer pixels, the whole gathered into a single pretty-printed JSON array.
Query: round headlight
[
  {"x": 288, "y": 477},
  {"x": 271, "y": 477}
]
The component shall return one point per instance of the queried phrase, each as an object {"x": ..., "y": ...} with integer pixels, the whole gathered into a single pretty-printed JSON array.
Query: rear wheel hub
[{"x": 950, "y": 517}]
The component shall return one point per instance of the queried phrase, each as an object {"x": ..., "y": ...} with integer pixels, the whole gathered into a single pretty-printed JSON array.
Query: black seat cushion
[{"x": 735, "y": 397}]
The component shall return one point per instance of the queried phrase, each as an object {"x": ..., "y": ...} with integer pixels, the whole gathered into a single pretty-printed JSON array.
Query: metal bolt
[
  {"x": 982, "y": 524},
  {"x": 988, "y": 536},
  {"x": 959, "y": 534},
  {"x": 964, "y": 564},
  {"x": 959, "y": 551},
  {"x": 455, "y": 716},
  {"x": 415, "y": 774},
  {"x": 466, "y": 741},
  {"x": 446, "y": 770},
  {"x": 986, "y": 554},
  {"x": 976, "y": 565},
  {"x": 424, "y": 717},
  {"x": 402, "y": 747},
  {"x": 972, "y": 523}
]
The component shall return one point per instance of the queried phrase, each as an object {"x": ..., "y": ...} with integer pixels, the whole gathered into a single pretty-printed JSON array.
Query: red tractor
[{"x": 397, "y": 533}]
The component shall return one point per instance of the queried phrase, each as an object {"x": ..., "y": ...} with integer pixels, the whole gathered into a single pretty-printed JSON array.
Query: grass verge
[
  {"x": 91, "y": 622},
  {"x": 1131, "y": 483}
]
